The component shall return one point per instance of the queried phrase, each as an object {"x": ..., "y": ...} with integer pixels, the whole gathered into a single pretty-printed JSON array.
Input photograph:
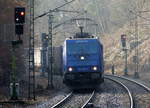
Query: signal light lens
[
  {"x": 17, "y": 19},
  {"x": 123, "y": 36},
  {"x": 22, "y": 13}
]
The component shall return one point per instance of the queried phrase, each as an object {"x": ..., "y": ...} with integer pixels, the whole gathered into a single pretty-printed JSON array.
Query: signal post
[
  {"x": 19, "y": 16},
  {"x": 124, "y": 48}
]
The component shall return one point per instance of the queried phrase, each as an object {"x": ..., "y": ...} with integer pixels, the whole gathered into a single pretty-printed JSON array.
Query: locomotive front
[{"x": 83, "y": 63}]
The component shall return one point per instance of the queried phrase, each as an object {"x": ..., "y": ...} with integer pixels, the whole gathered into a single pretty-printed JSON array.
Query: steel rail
[
  {"x": 138, "y": 83},
  {"x": 126, "y": 88},
  {"x": 86, "y": 103},
  {"x": 62, "y": 101}
]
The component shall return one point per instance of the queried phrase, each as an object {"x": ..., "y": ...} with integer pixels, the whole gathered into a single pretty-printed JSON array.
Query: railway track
[
  {"x": 126, "y": 89},
  {"x": 130, "y": 94},
  {"x": 61, "y": 102},
  {"x": 88, "y": 101},
  {"x": 140, "y": 93},
  {"x": 74, "y": 100},
  {"x": 84, "y": 100}
]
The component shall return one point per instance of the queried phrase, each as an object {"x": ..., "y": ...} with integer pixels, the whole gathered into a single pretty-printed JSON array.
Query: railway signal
[
  {"x": 19, "y": 20},
  {"x": 123, "y": 40},
  {"x": 19, "y": 15}
]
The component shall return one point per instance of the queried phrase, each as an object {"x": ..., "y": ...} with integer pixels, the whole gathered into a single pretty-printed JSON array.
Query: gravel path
[{"x": 111, "y": 95}]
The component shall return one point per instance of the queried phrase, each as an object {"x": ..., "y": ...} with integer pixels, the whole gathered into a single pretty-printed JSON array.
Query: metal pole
[
  {"x": 31, "y": 86},
  {"x": 13, "y": 75},
  {"x": 44, "y": 40},
  {"x": 85, "y": 21},
  {"x": 113, "y": 69},
  {"x": 33, "y": 51},
  {"x": 126, "y": 62},
  {"x": 50, "y": 53},
  {"x": 136, "y": 74}
]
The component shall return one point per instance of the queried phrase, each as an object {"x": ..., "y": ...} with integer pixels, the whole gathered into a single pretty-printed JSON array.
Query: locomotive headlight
[
  {"x": 94, "y": 68},
  {"x": 70, "y": 69},
  {"x": 82, "y": 57}
]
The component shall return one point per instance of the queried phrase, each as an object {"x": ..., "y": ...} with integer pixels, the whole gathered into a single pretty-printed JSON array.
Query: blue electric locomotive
[{"x": 83, "y": 63}]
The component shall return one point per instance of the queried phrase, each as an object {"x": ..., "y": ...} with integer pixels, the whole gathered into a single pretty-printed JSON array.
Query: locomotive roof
[
  {"x": 83, "y": 40},
  {"x": 83, "y": 35},
  {"x": 91, "y": 38}
]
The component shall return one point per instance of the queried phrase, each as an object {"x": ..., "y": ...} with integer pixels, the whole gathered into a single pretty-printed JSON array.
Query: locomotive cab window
[{"x": 82, "y": 48}]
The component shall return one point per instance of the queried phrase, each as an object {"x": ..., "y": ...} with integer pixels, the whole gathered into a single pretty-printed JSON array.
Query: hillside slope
[{"x": 113, "y": 49}]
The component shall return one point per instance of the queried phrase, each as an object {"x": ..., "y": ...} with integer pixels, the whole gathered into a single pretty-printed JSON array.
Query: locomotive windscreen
[{"x": 82, "y": 47}]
